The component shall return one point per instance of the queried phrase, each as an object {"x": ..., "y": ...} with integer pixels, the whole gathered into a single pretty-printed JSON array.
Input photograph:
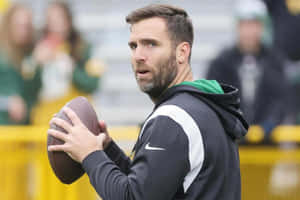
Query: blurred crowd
[
  {"x": 267, "y": 74},
  {"x": 41, "y": 70}
]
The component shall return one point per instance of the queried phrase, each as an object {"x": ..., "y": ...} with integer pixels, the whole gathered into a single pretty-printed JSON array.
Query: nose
[{"x": 139, "y": 55}]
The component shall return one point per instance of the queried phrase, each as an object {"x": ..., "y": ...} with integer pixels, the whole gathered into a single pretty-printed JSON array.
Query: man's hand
[
  {"x": 79, "y": 142},
  {"x": 103, "y": 128}
]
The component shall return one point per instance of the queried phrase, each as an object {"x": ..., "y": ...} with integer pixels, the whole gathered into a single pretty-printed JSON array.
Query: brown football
[{"x": 65, "y": 168}]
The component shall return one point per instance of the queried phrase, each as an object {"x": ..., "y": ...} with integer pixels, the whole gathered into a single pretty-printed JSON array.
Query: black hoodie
[{"x": 186, "y": 150}]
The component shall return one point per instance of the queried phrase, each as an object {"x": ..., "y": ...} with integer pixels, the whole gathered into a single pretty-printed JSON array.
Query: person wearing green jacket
[{"x": 19, "y": 83}]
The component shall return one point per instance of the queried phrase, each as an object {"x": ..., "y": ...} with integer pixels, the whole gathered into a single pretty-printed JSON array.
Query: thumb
[
  {"x": 103, "y": 126},
  {"x": 101, "y": 139},
  {"x": 102, "y": 136}
]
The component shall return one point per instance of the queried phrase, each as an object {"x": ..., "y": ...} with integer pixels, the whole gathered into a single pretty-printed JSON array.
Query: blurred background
[
  {"x": 102, "y": 24},
  {"x": 53, "y": 51}
]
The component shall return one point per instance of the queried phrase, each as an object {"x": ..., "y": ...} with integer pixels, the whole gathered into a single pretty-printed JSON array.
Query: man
[
  {"x": 186, "y": 148},
  {"x": 254, "y": 69}
]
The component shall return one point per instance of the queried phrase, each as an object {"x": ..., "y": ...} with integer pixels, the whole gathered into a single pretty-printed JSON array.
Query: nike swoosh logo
[{"x": 148, "y": 147}]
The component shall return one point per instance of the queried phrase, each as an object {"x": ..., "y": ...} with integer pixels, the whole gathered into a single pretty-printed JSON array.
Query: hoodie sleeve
[
  {"x": 157, "y": 171},
  {"x": 114, "y": 152}
]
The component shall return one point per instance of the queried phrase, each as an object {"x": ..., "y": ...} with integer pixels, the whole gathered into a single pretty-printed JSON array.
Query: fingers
[
  {"x": 57, "y": 134},
  {"x": 72, "y": 116},
  {"x": 64, "y": 147},
  {"x": 61, "y": 123},
  {"x": 61, "y": 136},
  {"x": 57, "y": 148},
  {"x": 103, "y": 126}
]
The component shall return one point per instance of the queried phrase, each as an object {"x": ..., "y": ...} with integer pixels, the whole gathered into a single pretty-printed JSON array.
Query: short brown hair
[{"x": 180, "y": 27}]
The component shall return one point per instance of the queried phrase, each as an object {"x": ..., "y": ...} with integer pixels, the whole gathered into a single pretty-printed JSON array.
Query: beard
[{"x": 162, "y": 77}]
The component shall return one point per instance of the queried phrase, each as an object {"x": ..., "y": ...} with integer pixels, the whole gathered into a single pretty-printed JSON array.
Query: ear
[{"x": 182, "y": 52}]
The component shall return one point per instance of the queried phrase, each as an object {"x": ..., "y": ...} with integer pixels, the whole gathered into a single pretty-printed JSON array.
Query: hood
[
  {"x": 207, "y": 86},
  {"x": 223, "y": 99}
]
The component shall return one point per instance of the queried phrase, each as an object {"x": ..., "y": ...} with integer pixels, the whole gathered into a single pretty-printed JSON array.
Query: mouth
[{"x": 142, "y": 73}]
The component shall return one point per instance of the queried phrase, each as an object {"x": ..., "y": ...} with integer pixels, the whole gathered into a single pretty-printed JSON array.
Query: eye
[
  {"x": 132, "y": 46},
  {"x": 151, "y": 44}
]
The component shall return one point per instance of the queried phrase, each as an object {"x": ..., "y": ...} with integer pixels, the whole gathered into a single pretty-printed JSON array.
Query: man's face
[{"x": 153, "y": 57}]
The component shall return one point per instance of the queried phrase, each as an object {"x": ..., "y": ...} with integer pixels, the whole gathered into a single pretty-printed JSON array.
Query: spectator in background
[
  {"x": 19, "y": 83},
  {"x": 285, "y": 15},
  {"x": 253, "y": 68},
  {"x": 68, "y": 70}
]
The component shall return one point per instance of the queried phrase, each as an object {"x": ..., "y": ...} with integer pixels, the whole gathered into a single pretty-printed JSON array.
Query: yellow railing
[
  {"x": 270, "y": 173},
  {"x": 24, "y": 168}
]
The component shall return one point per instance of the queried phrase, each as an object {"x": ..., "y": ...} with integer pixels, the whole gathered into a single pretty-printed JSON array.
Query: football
[{"x": 65, "y": 168}]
